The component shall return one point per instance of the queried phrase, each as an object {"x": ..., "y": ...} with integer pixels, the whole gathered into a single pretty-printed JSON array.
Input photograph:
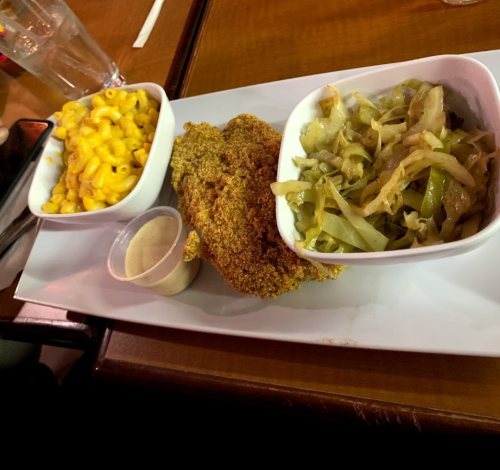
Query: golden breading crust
[{"x": 223, "y": 182}]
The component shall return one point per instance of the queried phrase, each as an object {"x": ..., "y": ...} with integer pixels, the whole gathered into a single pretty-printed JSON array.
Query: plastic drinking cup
[{"x": 46, "y": 38}]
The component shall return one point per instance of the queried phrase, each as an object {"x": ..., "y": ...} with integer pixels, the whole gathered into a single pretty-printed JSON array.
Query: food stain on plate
[{"x": 338, "y": 341}]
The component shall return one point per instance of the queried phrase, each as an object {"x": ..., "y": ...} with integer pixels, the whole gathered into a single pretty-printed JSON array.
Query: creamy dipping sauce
[{"x": 149, "y": 246}]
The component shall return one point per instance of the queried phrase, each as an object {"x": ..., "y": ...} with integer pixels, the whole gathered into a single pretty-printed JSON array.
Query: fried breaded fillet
[{"x": 223, "y": 182}]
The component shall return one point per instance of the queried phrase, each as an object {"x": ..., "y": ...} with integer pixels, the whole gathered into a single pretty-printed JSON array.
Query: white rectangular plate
[{"x": 447, "y": 306}]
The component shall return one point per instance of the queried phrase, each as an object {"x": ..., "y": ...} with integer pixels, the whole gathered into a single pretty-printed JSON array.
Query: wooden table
[
  {"x": 255, "y": 41},
  {"x": 24, "y": 96},
  {"x": 246, "y": 42}
]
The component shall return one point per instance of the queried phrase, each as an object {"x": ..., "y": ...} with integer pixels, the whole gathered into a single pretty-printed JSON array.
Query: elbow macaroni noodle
[{"x": 106, "y": 149}]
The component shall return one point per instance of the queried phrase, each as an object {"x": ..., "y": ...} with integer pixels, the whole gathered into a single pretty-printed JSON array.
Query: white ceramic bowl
[
  {"x": 472, "y": 93},
  {"x": 141, "y": 198}
]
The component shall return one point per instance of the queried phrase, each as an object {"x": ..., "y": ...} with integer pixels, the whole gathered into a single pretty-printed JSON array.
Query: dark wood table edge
[
  {"x": 296, "y": 401},
  {"x": 185, "y": 48},
  {"x": 67, "y": 334},
  {"x": 75, "y": 331}
]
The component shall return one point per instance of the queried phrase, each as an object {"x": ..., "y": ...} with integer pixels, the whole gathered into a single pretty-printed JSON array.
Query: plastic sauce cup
[{"x": 148, "y": 253}]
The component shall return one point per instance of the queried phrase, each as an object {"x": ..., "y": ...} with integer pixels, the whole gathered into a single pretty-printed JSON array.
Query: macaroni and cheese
[{"x": 106, "y": 149}]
